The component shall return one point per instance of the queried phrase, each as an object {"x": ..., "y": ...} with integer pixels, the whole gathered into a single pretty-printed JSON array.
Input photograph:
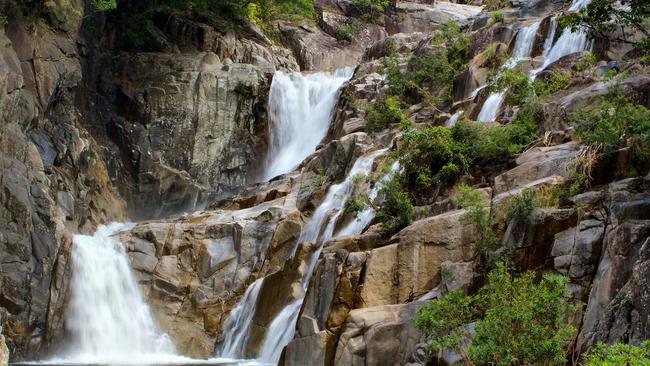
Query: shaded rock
[{"x": 381, "y": 335}]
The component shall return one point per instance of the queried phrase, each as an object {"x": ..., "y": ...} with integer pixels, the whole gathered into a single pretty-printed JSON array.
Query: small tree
[
  {"x": 601, "y": 18},
  {"x": 517, "y": 321}
]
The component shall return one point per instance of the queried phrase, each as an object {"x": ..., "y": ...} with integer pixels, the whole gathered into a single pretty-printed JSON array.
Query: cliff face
[{"x": 91, "y": 134}]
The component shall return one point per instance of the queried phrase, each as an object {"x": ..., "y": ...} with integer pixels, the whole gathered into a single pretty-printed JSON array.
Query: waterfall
[
  {"x": 569, "y": 41},
  {"x": 550, "y": 38},
  {"x": 300, "y": 110},
  {"x": 238, "y": 323},
  {"x": 522, "y": 49},
  {"x": 108, "y": 319},
  {"x": 319, "y": 229}
]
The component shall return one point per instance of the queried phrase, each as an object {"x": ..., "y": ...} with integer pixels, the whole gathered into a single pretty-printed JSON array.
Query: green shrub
[
  {"x": 347, "y": 32},
  {"x": 587, "y": 62},
  {"x": 615, "y": 123},
  {"x": 619, "y": 354},
  {"x": 430, "y": 76},
  {"x": 385, "y": 113},
  {"x": 515, "y": 83},
  {"x": 493, "y": 5},
  {"x": 356, "y": 203},
  {"x": 105, "y": 5},
  {"x": 478, "y": 215},
  {"x": 396, "y": 210},
  {"x": 497, "y": 16},
  {"x": 491, "y": 56},
  {"x": 517, "y": 321},
  {"x": 370, "y": 9},
  {"x": 555, "y": 82},
  {"x": 520, "y": 206},
  {"x": 430, "y": 156}
]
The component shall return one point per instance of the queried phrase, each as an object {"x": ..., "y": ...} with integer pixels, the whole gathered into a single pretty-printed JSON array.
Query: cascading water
[
  {"x": 319, "y": 229},
  {"x": 522, "y": 50},
  {"x": 569, "y": 41},
  {"x": 300, "y": 110},
  {"x": 550, "y": 37},
  {"x": 239, "y": 322},
  {"x": 108, "y": 319}
]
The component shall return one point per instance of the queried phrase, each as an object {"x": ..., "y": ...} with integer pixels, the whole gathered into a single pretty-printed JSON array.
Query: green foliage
[
  {"x": 430, "y": 76},
  {"x": 619, "y": 354},
  {"x": 105, "y": 5},
  {"x": 431, "y": 156},
  {"x": 385, "y": 113},
  {"x": 556, "y": 81},
  {"x": 347, "y": 32},
  {"x": 515, "y": 83},
  {"x": 517, "y": 321},
  {"x": 491, "y": 56},
  {"x": 615, "y": 123},
  {"x": 497, "y": 16},
  {"x": 520, "y": 206},
  {"x": 356, "y": 203},
  {"x": 602, "y": 18},
  {"x": 587, "y": 62},
  {"x": 370, "y": 9},
  {"x": 493, "y": 5},
  {"x": 396, "y": 210},
  {"x": 478, "y": 215}
]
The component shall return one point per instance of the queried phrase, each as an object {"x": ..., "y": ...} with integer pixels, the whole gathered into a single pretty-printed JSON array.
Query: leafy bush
[
  {"x": 514, "y": 82},
  {"x": 517, "y": 321},
  {"x": 520, "y": 206},
  {"x": 396, "y": 210},
  {"x": 615, "y": 123},
  {"x": 385, "y": 113},
  {"x": 493, "y": 5},
  {"x": 370, "y": 9},
  {"x": 347, "y": 32},
  {"x": 497, "y": 16},
  {"x": 430, "y": 156},
  {"x": 555, "y": 82},
  {"x": 588, "y": 61},
  {"x": 619, "y": 354},
  {"x": 430, "y": 76},
  {"x": 478, "y": 215},
  {"x": 356, "y": 203},
  {"x": 105, "y": 5},
  {"x": 491, "y": 56}
]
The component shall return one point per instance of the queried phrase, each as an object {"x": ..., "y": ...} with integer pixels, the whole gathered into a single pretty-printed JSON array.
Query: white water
[
  {"x": 108, "y": 319},
  {"x": 522, "y": 49},
  {"x": 319, "y": 229},
  {"x": 451, "y": 122},
  {"x": 300, "y": 110},
  {"x": 568, "y": 43},
  {"x": 550, "y": 37},
  {"x": 238, "y": 323}
]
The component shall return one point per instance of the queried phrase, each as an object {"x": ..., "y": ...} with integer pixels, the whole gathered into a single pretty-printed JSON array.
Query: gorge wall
[{"x": 177, "y": 141}]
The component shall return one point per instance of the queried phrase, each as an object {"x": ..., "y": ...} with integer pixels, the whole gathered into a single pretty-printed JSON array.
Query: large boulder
[
  {"x": 411, "y": 266},
  {"x": 538, "y": 163},
  {"x": 410, "y": 17},
  {"x": 381, "y": 335}
]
